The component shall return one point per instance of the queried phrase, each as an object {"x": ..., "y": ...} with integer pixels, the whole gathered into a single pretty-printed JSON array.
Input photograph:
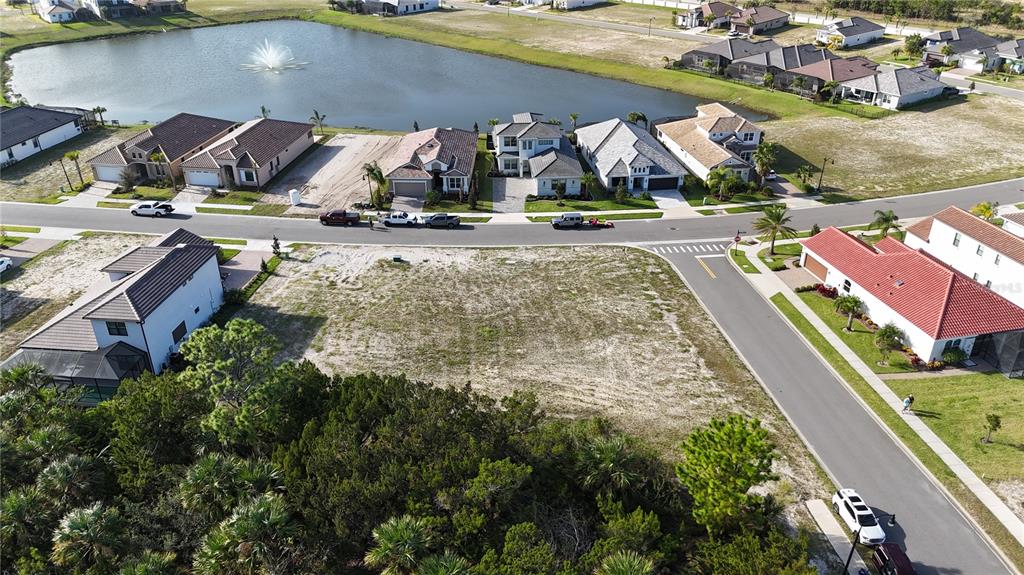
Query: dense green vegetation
[
  {"x": 1007, "y": 14},
  {"x": 239, "y": 465}
]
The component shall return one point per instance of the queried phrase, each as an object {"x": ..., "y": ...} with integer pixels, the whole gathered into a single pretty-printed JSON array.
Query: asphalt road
[
  {"x": 305, "y": 230},
  {"x": 965, "y": 82},
  {"x": 853, "y": 447}
]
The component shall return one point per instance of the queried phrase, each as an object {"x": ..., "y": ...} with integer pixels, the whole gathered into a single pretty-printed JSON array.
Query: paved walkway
[
  {"x": 837, "y": 536},
  {"x": 239, "y": 270},
  {"x": 769, "y": 284},
  {"x": 28, "y": 249}
]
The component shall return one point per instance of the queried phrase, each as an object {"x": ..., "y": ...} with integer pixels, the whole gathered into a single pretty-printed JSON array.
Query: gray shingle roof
[
  {"x": 736, "y": 48},
  {"x": 961, "y": 40},
  {"x": 789, "y": 57},
  {"x": 853, "y": 26},
  {"x": 1011, "y": 49},
  {"x": 897, "y": 82},
  {"x": 561, "y": 163},
  {"x": 614, "y": 141},
  {"x": 23, "y": 123},
  {"x": 267, "y": 138},
  {"x": 136, "y": 259},
  {"x": 528, "y": 125}
]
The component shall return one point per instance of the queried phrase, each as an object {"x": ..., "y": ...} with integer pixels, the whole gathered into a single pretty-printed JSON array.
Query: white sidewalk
[{"x": 837, "y": 536}]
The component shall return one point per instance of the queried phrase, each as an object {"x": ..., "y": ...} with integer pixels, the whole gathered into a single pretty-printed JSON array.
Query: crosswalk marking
[{"x": 689, "y": 248}]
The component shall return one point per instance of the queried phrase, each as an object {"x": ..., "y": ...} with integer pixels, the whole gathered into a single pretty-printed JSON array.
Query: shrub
[
  {"x": 646, "y": 196},
  {"x": 531, "y": 197},
  {"x": 807, "y": 288},
  {"x": 954, "y": 356},
  {"x": 433, "y": 198},
  {"x": 234, "y": 297},
  {"x": 828, "y": 291},
  {"x": 776, "y": 266},
  {"x": 806, "y": 188},
  {"x": 621, "y": 195},
  {"x": 935, "y": 365}
]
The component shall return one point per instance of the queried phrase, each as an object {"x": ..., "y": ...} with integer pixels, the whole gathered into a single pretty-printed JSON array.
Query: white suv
[{"x": 858, "y": 516}]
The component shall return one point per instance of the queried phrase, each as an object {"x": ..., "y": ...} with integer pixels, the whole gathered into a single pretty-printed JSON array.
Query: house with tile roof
[
  {"x": 28, "y": 130},
  {"x": 850, "y": 32},
  {"x": 439, "y": 159},
  {"x": 937, "y": 307},
  {"x": 776, "y": 62},
  {"x": 622, "y": 153},
  {"x": 960, "y": 46},
  {"x": 154, "y": 297},
  {"x": 816, "y": 76},
  {"x": 981, "y": 250},
  {"x": 529, "y": 147},
  {"x": 707, "y": 15},
  {"x": 177, "y": 138},
  {"x": 717, "y": 56},
  {"x": 715, "y": 137},
  {"x": 249, "y": 155},
  {"x": 1014, "y": 223},
  {"x": 758, "y": 19},
  {"x": 894, "y": 88}
]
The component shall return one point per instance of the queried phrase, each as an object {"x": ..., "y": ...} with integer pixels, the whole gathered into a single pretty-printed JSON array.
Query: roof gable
[{"x": 985, "y": 233}]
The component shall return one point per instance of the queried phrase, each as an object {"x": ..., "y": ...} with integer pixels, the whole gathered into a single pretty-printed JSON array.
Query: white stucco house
[
  {"x": 991, "y": 255},
  {"x": 850, "y": 32},
  {"x": 1014, "y": 223},
  {"x": 707, "y": 15},
  {"x": 528, "y": 147},
  {"x": 27, "y": 130},
  {"x": 937, "y": 307},
  {"x": 439, "y": 159},
  {"x": 154, "y": 297},
  {"x": 621, "y": 152},
  {"x": 574, "y": 4},
  {"x": 250, "y": 155},
  {"x": 716, "y": 137},
  {"x": 894, "y": 88},
  {"x": 54, "y": 11}
]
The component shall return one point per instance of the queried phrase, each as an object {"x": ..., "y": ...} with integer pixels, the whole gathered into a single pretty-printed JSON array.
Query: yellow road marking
[{"x": 706, "y": 268}]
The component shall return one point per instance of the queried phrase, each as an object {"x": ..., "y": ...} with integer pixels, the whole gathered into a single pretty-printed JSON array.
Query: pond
[{"x": 354, "y": 78}]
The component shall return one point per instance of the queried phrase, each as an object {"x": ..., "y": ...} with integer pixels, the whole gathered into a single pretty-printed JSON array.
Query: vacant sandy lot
[
  {"x": 606, "y": 331},
  {"x": 54, "y": 280},
  {"x": 332, "y": 177}
]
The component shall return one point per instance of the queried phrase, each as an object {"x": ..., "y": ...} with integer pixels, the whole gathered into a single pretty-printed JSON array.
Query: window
[
  {"x": 10, "y": 153},
  {"x": 846, "y": 286},
  {"x": 454, "y": 183},
  {"x": 980, "y": 250},
  {"x": 527, "y": 144},
  {"x": 748, "y": 136},
  {"x": 950, "y": 345},
  {"x": 179, "y": 332},
  {"x": 545, "y": 142},
  {"x": 117, "y": 328},
  {"x": 956, "y": 239},
  {"x": 997, "y": 259},
  {"x": 35, "y": 142},
  {"x": 511, "y": 165},
  {"x": 247, "y": 176},
  {"x": 509, "y": 141},
  {"x": 745, "y": 156}
]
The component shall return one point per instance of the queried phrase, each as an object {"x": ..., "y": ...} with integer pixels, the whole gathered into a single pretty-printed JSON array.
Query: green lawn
[
  {"x": 237, "y": 197},
  {"x": 741, "y": 260},
  {"x": 21, "y": 229},
  {"x": 115, "y": 205},
  {"x": 257, "y": 210},
  {"x": 228, "y": 241},
  {"x": 860, "y": 340},
  {"x": 706, "y": 212},
  {"x": 225, "y": 254},
  {"x": 784, "y": 250},
  {"x": 11, "y": 241},
  {"x": 630, "y": 216},
  {"x": 602, "y": 201},
  {"x": 475, "y": 219},
  {"x": 895, "y": 422},
  {"x": 145, "y": 193}
]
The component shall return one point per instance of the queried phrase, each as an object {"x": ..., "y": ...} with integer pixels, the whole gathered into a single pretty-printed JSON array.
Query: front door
[{"x": 638, "y": 183}]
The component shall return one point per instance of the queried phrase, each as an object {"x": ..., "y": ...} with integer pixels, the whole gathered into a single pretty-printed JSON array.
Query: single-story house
[
  {"x": 398, "y": 7},
  {"x": 1014, "y": 223},
  {"x": 716, "y": 137},
  {"x": 515, "y": 142},
  {"x": 1011, "y": 55},
  {"x": 111, "y": 9},
  {"x": 895, "y": 88},
  {"x": 27, "y": 130},
  {"x": 249, "y": 155},
  {"x": 833, "y": 70},
  {"x": 717, "y": 56},
  {"x": 776, "y": 62},
  {"x": 707, "y": 15},
  {"x": 936, "y": 307},
  {"x": 958, "y": 42},
  {"x": 622, "y": 153},
  {"x": 983, "y": 251},
  {"x": 159, "y": 6},
  {"x": 177, "y": 138},
  {"x": 557, "y": 166},
  {"x": 54, "y": 11},
  {"x": 574, "y": 4},
  {"x": 853, "y": 31},
  {"x": 154, "y": 297},
  {"x": 436, "y": 159},
  {"x": 758, "y": 19}
]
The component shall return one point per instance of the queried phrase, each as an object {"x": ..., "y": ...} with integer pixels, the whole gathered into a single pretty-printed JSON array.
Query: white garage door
[
  {"x": 108, "y": 173},
  {"x": 208, "y": 179},
  {"x": 416, "y": 189}
]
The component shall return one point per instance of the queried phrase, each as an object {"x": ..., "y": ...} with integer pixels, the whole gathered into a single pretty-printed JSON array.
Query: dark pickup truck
[{"x": 339, "y": 218}]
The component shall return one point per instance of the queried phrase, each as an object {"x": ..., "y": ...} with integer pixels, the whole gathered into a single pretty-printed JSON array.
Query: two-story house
[
  {"x": 707, "y": 15},
  {"x": 28, "y": 130},
  {"x": 54, "y": 11},
  {"x": 110, "y": 9},
  {"x": 249, "y": 155},
  {"x": 526, "y": 136},
  {"x": 716, "y": 137},
  {"x": 980, "y": 250},
  {"x": 439, "y": 159},
  {"x": 155, "y": 296},
  {"x": 621, "y": 153}
]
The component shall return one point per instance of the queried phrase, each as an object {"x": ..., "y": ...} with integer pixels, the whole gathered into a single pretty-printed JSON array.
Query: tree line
[
  {"x": 1007, "y": 14},
  {"x": 239, "y": 464}
]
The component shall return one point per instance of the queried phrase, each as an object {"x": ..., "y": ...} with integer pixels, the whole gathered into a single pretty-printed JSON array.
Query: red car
[
  {"x": 339, "y": 218},
  {"x": 891, "y": 560}
]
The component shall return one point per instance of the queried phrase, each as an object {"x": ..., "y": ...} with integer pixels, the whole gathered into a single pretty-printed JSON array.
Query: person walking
[
  {"x": 908, "y": 401},
  {"x": 369, "y": 220}
]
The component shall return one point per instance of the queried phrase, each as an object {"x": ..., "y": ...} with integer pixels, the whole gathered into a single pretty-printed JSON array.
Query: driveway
[
  {"x": 667, "y": 199},
  {"x": 239, "y": 270},
  {"x": 27, "y": 250},
  {"x": 510, "y": 194}
]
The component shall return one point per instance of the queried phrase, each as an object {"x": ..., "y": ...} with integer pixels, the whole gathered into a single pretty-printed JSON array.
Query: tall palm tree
[
  {"x": 764, "y": 159},
  {"x": 850, "y": 305},
  {"x": 318, "y": 119},
  {"x": 151, "y": 563},
  {"x": 589, "y": 182},
  {"x": 87, "y": 537},
  {"x": 373, "y": 172},
  {"x": 832, "y": 87},
  {"x": 774, "y": 223},
  {"x": 257, "y": 538},
  {"x": 493, "y": 122},
  {"x": 798, "y": 82},
  {"x": 986, "y": 210},
  {"x": 73, "y": 156},
  {"x": 264, "y": 112},
  {"x": 609, "y": 464},
  {"x": 160, "y": 158},
  {"x": 885, "y": 222},
  {"x": 398, "y": 545},
  {"x": 99, "y": 111},
  {"x": 626, "y": 563},
  {"x": 803, "y": 173},
  {"x": 573, "y": 117},
  {"x": 446, "y": 564},
  {"x": 636, "y": 118}
]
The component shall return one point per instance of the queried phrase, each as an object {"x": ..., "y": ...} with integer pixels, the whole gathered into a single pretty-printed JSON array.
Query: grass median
[{"x": 629, "y": 216}]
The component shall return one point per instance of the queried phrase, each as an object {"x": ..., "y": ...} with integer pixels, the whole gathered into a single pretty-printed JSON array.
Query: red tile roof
[
  {"x": 940, "y": 301},
  {"x": 986, "y": 233}
]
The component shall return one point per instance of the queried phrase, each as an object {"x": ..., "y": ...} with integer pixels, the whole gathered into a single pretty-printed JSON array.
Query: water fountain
[{"x": 269, "y": 57}]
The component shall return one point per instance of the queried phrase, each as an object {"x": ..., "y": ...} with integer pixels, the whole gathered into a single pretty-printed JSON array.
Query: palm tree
[
  {"x": 803, "y": 173},
  {"x": 99, "y": 111},
  {"x": 897, "y": 52},
  {"x": 86, "y": 537},
  {"x": 446, "y": 564},
  {"x": 151, "y": 563},
  {"x": 589, "y": 181},
  {"x": 764, "y": 159},
  {"x": 318, "y": 119},
  {"x": 986, "y": 210},
  {"x": 720, "y": 181},
  {"x": 210, "y": 486},
  {"x": 398, "y": 545},
  {"x": 885, "y": 222},
  {"x": 68, "y": 481},
  {"x": 798, "y": 82},
  {"x": 573, "y": 117},
  {"x": 493, "y": 122},
  {"x": 774, "y": 223},
  {"x": 608, "y": 464},
  {"x": 559, "y": 192},
  {"x": 73, "y": 156},
  {"x": 832, "y": 87},
  {"x": 264, "y": 112},
  {"x": 159, "y": 158},
  {"x": 25, "y": 518},
  {"x": 128, "y": 180},
  {"x": 626, "y": 563},
  {"x": 257, "y": 476},
  {"x": 947, "y": 50},
  {"x": 848, "y": 304},
  {"x": 373, "y": 172},
  {"x": 636, "y": 118},
  {"x": 768, "y": 79},
  {"x": 30, "y": 376},
  {"x": 257, "y": 538}
]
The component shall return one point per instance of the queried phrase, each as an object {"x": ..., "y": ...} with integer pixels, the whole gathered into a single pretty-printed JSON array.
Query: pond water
[{"x": 354, "y": 78}]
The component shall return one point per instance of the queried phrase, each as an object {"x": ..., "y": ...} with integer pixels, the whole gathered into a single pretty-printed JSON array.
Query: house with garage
[
  {"x": 54, "y": 11},
  {"x": 758, "y": 19},
  {"x": 28, "y": 130},
  {"x": 398, "y": 7},
  {"x": 777, "y": 62},
  {"x": 707, "y": 15},
  {"x": 983, "y": 251},
  {"x": 717, "y": 56},
  {"x": 439, "y": 159},
  {"x": 935, "y": 306},
  {"x": 249, "y": 155},
  {"x": 855, "y": 31},
  {"x": 894, "y": 88},
  {"x": 621, "y": 153},
  {"x": 177, "y": 138},
  {"x": 1010, "y": 55},
  {"x": 1014, "y": 223},
  {"x": 716, "y": 137},
  {"x": 526, "y": 136},
  {"x": 948, "y": 47},
  {"x": 133, "y": 321},
  {"x": 815, "y": 77}
]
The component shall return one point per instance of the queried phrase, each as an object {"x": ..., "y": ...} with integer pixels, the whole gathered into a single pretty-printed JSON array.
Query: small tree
[
  {"x": 415, "y": 126},
  {"x": 264, "y": 112},
  {"x": 971, "y": 86},
  {"x": 560, "y": 192},
  {"x": 768, "y": 79},
  {"x": 275, "y": 245},
  {"x": 850, "y": 305},
  {"x": 573, "y": 118},
  {"x": 986, "y": 210},
  {"x": 159, "y": 158},
  {"x": 128, "y": 180},
  {"x": 589, "y": 181},
  {"x": 913, "y": 45},
  {"x": 803, "y": 173},
  {"x": 476, "y": 128},
  {"x": 621, "y": 195},
  {"x": 815, "y": 230},
  {"x": 885, "y": 222},
  {"x": 636, "y": 118},
  {"x": 318, "y": 119},
  {"x": 798, "y": 83},
  {"x": 993, "y": 423},
  {"x": 888, "y": 338}
]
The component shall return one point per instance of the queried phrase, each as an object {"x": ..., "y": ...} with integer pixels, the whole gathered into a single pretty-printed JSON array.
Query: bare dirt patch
[
  {"x": 54, "y": 280},
  {"x": 1012, "y": 492},
  {"x": 594, "y": 331}
]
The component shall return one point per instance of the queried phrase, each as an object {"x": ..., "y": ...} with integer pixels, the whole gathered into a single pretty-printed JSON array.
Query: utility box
[{"x": 295, "y": 196}]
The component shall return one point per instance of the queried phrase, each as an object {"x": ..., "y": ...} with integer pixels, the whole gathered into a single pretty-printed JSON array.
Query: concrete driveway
[
  {"x": 27, "y": 250},
  {"x": 510, "y": 194},
  {"x": 239, "y": 270}
]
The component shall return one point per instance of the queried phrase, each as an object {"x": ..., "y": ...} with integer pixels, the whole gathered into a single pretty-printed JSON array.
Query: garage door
[
  {"x": 816, "y": 268},
  {"x": 417, "y": 189},
  {"x": 662, "y": 183},
  {"x": 108, "y": 173},
  {"x": 208, "y": 179}
]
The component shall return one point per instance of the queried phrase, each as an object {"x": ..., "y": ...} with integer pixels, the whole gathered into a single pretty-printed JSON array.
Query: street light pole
[
  {"x": 71, "y": 188},
  {"x": 650, "y": 24},
  {"x": 856, "y": 539},
  {"x": 822, "y": 174}
]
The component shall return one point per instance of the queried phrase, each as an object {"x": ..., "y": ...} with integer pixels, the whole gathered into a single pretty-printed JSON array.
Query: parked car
[
  {"x": 569, "y": 220},
  {"x": 339, "y": 218},
  {"x": 771, "y": 176},
  {"x": 858, "y": 516},
  {"x": 442, "y": 221},
  {"x": 890, "y": 559},
  {"x": 155, "y": 209},
  {"x": 6, "y": 264},
  {"x": 399, "y": 219},
  {"x": 735, "y": 34}
]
